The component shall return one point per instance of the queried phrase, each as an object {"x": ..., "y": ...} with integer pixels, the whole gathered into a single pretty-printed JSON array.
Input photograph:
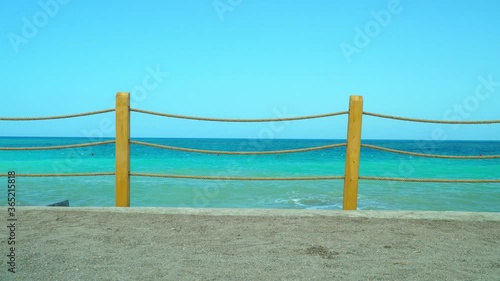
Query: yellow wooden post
[
  {"x": 122, "y": 190},
  {"x": 352, "y": 153}
]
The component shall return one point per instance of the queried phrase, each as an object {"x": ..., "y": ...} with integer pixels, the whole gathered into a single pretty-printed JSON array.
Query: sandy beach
[{"x": 251, "y": 244}]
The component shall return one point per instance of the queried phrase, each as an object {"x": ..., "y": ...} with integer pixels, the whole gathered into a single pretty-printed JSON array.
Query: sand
[{"x": 245, "y": 244}]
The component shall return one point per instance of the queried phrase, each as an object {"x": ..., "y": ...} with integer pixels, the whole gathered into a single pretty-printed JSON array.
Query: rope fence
[
  {"x": 429, "y": 180},
  {"x": 98, "y": 174},
  {"x": 239, "y": 120},
  {"x": 221, "y": 152},
  {"x": 353, "y": 146},
  {"x": 429, "y": 155},
  {"x": 229, "y": 178},
  {"x": 56, "y": 117},
  {"x": 481, "y": 122},
  {"x": 59, "y": 146}
]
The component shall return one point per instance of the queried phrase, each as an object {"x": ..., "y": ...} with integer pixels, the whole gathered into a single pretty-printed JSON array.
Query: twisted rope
[
  {"x": 429, "y": 180},
  {"x": 58, "y": 146},
  {"x": 238, "y": 152},
  {"x": 430, "y": 120},
  {"x": 238, "y": 120},
  {"x": 63, "y": 175},
  {"x": 429, "y": 155},
  {"x": 55, "y": 117},
  {"x": 237, "y": 178}
]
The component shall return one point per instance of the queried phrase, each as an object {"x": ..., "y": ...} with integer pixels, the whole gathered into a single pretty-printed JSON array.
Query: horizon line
[{"x": 250, "y": 138}]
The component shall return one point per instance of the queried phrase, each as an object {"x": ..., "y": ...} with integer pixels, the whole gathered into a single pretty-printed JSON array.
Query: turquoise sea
[{"x": 325, "y": 194}]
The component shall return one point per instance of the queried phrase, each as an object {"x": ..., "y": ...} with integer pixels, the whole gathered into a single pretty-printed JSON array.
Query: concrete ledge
[{"x": 419, "y": 215}]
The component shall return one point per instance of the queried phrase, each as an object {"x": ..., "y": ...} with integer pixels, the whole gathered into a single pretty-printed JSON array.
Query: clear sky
[{"x": 251, "y": 59}]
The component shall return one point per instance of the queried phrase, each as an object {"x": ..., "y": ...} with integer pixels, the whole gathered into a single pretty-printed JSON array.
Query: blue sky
[{"x": 251, "y": 59}]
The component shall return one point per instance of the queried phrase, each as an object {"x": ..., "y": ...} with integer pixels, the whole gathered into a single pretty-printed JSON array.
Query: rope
[
  {"x": 55, "y": 117},
  {"x": 237, "y": 178},
  {"x": 430, "y": 120},
  {"x": 58, "y": 146},
  {"x": 429, "y": 180},
  {"x": 259, "y": 178},
  {"x": 239, "y": 120},
  {"x": 429, "y": 155},
  {"x": 63, "y": 175},
  {"x": 238, "y": 152}
]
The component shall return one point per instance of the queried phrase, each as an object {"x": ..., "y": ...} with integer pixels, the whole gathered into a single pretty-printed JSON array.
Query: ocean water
[{"x": 325, "y": 194}]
